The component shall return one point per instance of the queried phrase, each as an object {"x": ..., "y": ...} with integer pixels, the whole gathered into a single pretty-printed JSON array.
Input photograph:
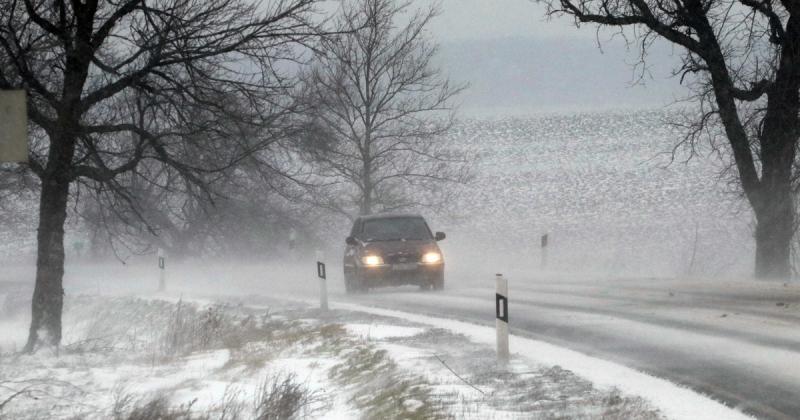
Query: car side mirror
[
  {"x": 439, "y": 236},
  {"x": 350, "y": 241}
]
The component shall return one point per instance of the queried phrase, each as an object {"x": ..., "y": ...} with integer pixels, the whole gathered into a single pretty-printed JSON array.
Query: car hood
[{"x": 401, "y": 247}]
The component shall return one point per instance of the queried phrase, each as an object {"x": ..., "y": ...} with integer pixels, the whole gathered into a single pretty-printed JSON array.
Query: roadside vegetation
[{"x": 136, "y": 359}]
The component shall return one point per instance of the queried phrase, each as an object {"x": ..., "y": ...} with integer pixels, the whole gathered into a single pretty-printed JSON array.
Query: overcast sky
[
  {"x": 481, "y": 19},
  {"x": 517, "y": 61}
]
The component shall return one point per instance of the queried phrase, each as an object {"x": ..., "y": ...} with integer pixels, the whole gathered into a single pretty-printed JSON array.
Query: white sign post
[
  {"x": 162, "y": 281},
  {"x": 323, "y": 284},
  {"x": 13, "y": 126},
  {"x": 544, "y": 251},
  {"x": 501, "y": 313}
]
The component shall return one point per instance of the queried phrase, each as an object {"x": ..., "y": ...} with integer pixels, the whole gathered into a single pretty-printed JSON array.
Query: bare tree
[
  {"x": 744, "y": 56},
  {"x": 116, "y": 83},
  {"x": 254, "y": 204},
  {"x": 158, "y": 205},
  {"x": 379, "y": 105}
]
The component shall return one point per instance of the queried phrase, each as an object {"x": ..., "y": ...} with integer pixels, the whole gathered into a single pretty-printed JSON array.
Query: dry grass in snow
[{"x": 140, "y": 359}]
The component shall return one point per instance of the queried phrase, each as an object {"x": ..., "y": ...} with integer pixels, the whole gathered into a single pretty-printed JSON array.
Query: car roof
[{"x": 390, "y": 216}]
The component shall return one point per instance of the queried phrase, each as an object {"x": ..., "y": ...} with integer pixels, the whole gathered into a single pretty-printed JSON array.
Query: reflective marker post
[
  {"x": 544, "y": 251},
  {"x": 162, "y": 281},
  {"x": 323, "y": 286},
  {"x": 501, "y": 312}
]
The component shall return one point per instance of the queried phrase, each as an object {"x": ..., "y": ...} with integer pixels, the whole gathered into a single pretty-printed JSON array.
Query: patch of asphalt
[{"x": 753, "y": 337}]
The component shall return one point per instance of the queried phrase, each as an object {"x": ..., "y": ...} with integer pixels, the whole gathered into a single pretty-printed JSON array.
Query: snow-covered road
[{"x": 737, "y": 341}]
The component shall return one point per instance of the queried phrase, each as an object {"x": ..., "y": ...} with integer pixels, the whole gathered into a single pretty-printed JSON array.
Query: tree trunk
[
  {"x": 48, "y": 294},
  {"x": 366, "y": 179},
  {"x": 366, "y": 203},
  {"x": 773, "y": 242},
  {"x": 774, "y": 206},
  {"x": 775, "y": 213}
]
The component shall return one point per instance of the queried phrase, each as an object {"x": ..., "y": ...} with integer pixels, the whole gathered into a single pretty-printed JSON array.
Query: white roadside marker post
[
  {"x": 501, "y": 313},
  {"x": 323, "y": 285},
  {"x": 162, "y": 280},
  {"x": 544, "y": 252}
]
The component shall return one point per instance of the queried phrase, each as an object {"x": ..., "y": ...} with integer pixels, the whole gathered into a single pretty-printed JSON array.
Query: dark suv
[{"x": 392, "y": 250}]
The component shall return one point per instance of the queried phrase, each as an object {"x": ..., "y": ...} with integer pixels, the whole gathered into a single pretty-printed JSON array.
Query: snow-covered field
[{"x": 600, "y": 184}]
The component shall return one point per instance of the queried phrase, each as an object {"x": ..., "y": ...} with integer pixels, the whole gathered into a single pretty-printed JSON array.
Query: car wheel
[
  {"x": 350, "y": 285},
  {"x": 438, "y": 282},
  {"x": 357, "y": 283}
]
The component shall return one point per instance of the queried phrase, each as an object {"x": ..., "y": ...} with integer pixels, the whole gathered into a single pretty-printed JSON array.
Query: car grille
[{"x": 400, "y": 258}]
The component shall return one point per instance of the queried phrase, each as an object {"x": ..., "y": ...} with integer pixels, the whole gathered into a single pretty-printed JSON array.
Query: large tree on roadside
[
  {"x": 744, "y": 58},
  {"x": 114, "y": 83},
  {"x": 379, "y": 104}
]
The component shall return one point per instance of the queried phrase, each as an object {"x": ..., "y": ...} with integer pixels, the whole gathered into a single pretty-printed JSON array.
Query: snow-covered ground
[
  {"x": 673, "y": 401},
  {"x": 735, "y": 340},
  {"x": 125, "y": 356},
  {"x": 596, "y": 182},
  {"x": 209, "y": 355}
]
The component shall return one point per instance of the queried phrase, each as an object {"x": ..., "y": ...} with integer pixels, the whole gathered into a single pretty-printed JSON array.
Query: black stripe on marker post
[
  {"x": 321, "y": 270},
  {"x": 501, "y": 307}
]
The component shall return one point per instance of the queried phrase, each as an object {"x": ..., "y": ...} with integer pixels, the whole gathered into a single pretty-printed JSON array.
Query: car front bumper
[{"x": 401, "y": 274}]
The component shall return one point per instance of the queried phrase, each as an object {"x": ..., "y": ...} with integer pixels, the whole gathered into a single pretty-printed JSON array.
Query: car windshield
[{"x": 395, "y": 229}]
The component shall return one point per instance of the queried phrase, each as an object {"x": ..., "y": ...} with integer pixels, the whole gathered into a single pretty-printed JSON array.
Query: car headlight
[
  {"x": 432, "y": 258},
  {"x": 372, "y": 260}
]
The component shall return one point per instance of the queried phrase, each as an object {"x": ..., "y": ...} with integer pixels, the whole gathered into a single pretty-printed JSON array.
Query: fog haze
[
  {"x": 203, "y": 239},
  {"x": 517, "y": 62}
]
